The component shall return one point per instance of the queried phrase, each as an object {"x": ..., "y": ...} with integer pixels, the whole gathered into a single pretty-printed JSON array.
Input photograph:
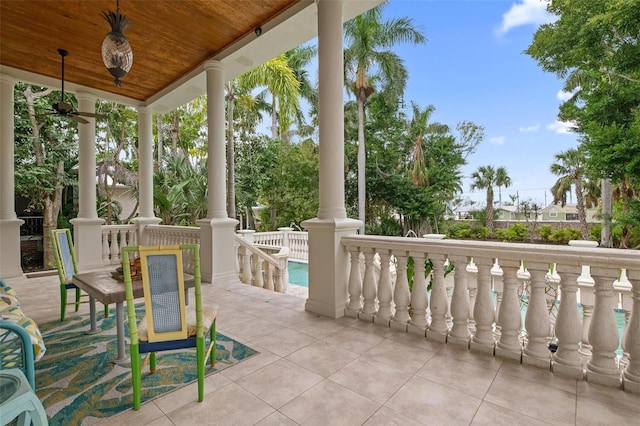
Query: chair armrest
[{"x": 15, "y": 348}]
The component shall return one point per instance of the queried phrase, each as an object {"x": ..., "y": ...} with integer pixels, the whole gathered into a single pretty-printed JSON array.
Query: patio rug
[{"x": 79, "y": 385}]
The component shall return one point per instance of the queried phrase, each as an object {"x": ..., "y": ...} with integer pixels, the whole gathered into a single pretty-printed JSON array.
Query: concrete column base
[
  {"x": 141, "y": 223},
  {"x": 87, "y": 241},
  {"x": 217, "y": 248},
  {"x": 10, "y": 265},
  {"x": 328, "y": 265}
]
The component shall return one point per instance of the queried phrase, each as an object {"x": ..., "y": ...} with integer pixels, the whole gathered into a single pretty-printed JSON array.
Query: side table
[{"x": 18, "y": 400}]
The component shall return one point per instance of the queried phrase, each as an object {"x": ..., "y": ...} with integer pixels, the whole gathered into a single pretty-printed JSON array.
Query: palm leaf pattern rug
[{"x": 78, "y": 384}]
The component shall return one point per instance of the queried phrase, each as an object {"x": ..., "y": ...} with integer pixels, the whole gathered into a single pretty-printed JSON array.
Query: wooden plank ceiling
[{"x": 169, "y": 38}]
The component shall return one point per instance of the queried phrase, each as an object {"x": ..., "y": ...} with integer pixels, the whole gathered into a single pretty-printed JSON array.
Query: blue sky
[{"x": 473, "y": 68}]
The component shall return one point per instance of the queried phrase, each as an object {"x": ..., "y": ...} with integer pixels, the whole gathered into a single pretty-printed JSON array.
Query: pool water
[{"x": 298, "y": 273}]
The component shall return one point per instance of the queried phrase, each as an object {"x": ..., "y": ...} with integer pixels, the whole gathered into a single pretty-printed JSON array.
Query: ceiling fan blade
[
  {"x": 90, "y": 114},
  {"x": 76, "y": 118}
]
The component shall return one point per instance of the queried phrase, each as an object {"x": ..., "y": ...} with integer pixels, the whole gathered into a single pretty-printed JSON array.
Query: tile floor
[{"x": 318, "y": 371}]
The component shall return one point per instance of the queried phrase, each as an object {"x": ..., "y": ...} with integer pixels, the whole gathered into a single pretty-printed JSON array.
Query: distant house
[
  {"x": 509, "y": 213},
  {"x": 568, "y": 213}
]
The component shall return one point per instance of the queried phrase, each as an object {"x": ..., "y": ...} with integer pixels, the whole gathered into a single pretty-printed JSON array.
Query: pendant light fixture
[{"x": 116, "y": 50}]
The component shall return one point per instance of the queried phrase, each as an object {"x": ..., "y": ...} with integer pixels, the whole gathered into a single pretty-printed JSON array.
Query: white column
[
  {"x": 438, "y": 329},
  {"x": 146, "y": 214},
  {"x": 567, "y": 360},
  {"x": 217, "y": 230},
  {"x": 369, "y": 287},
  {"x": 484, "y": 311},
  {"x": 631, "y": 375},
  {"x": 509, "y": 318},
  {"x": 419, "y": 300},
  {"x": 328, "y": 259},
  {"x": 87, "y": 226},
  {"x": 9, "y": 222}
]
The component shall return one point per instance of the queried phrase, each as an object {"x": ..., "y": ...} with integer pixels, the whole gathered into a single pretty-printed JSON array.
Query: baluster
[
  {"x": 438, "y": 329},
  {"x": 449, "y": 280},
  {"x": 115, "y": 248},
  {"x": 369, "y": 292},
  {"x": 419, "y": 302},
  {"x": 623, "y": 287},
  {"x": 536, "y": 351},
  {"x": 510, "y": 319},
  {"x": 355, "y": 285},
  {"x": 587, "y": 293},
  {"x": 278, "y": 280},
  {"x": 258, "y": 273},
  {"x": 631, "y": 374},
  {"x": 261, "y": 266},
  {"x": 602, "y": 368},
  {"x": 105, "y": 247},
  {"x": 401, "y": 294},
  {"x": 246, "y": 265},
  {"x": 567, "y": 360},
  {"x": 385, "y": 292},
  {"x": 459, "y": 334},
  {"x": 498, "y": 285},
  {"x": 484, "y": 310},
  {"x": 472, "y": 286}
]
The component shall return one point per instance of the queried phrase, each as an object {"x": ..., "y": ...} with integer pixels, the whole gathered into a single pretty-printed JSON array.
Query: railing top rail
[
  {"x": 595, "y": 257},
  {"x": 254, "y": 249}
]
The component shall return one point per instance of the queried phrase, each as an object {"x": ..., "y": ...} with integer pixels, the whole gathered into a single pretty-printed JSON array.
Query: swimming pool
[{"x": 298, "y": 273}]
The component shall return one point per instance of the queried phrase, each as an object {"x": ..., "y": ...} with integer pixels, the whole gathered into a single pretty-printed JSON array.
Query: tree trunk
[
  {"x": 582, "y": 215},
  {"x": 175, "y": 130},
  {"x": 362, "y": 159},
  {"x": 52, "y": 203},
  {"x": 158, "y": 164},
  {"x": 607, "y": 193},
  {"x": 274, "y": 119},
  {"x": 489, "y": 210},
  {"x": 231, "y": 197}
]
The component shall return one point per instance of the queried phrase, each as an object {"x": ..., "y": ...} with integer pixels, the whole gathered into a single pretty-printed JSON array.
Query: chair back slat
[
  {"x": 65, "y": 254},
  {"x": 163, "y": 284}
]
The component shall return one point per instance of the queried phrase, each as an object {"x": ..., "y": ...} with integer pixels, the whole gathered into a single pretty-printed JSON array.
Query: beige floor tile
[
  {"x": 253, "y": 364},
  {"x": 430, "y": 403},
  {"x": 276, "y": 419},
  {"x": 322, "y": 358},
  {"x": 479, "y": 358},
  {"x": 279, "y": 382},
  {"x": 471, "y": 379},
  {"x": 354, "y": 340},
  {"x": 609, "y": 395},
  {"x": 543, "y": 376},
  {"x": 251, "y": 328},
  {"x": 388, "y": 417},
  {"x": 533, "y": 399},
  {"x": 285, "y": 341},
  {"x": 405, "y": 357},
  {"x": 602, "y": 412},
  {"x": 328, "y": 403},
  {"x": 370, "y": 378},
  {"x": 147, "y": 414},
  {"x": 187, "y": 394},
  {"x": 493, "y": 415},
  {"x": 319, "y": 327},
  {"x": 230, "y": 405}
]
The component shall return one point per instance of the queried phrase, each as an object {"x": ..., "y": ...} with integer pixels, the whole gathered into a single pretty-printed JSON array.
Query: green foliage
[
  {"x": 387, "y": 225},
  {"x": 290, "y": 187},
  {"x": 564, "y": 235},
  {"x": 544, "y": 231},
  {"x": 516, "y": 232},
  {"x": 467, "y": 230}
]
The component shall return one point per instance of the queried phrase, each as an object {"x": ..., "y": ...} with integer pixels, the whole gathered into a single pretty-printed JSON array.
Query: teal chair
[
  {"x": 168, "y": 323},
  {"x": 67, "y": 268}
]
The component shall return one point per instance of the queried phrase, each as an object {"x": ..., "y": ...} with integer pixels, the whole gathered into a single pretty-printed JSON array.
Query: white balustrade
[
  {"x": 547, "y": 284},
  {"x": 114, "y": 237}
]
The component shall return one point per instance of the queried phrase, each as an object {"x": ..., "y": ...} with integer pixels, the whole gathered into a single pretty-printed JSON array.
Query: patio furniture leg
[
  {"x": 120, "y": 332},
  {"x": 92, "y": 315}
]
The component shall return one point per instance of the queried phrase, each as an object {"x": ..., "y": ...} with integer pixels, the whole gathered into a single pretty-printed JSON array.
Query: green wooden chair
[
  {"x": 67, "y": 268},
  {"x": 168, "y": 323}
]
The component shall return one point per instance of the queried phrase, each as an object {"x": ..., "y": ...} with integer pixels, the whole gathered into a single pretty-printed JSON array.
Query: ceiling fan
[{"x": 64, "y": 109}]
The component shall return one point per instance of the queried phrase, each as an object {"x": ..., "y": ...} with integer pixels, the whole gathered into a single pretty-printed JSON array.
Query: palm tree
[
  {"x": 502, "y": 179},
  {"x": 569, "y": 166},
  {"x": 484, "y": 178},
  {"x": 367, "y": 58}
]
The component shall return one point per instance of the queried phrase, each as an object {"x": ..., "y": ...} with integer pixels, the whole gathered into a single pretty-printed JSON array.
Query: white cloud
[
  {"x": 525, "y": 12},
  {"x": 565, "y": 96},
  {"x": 497, "y": 140},
  {"x": 530, "y": 129},
  {"x": 562, "y": 127}
]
